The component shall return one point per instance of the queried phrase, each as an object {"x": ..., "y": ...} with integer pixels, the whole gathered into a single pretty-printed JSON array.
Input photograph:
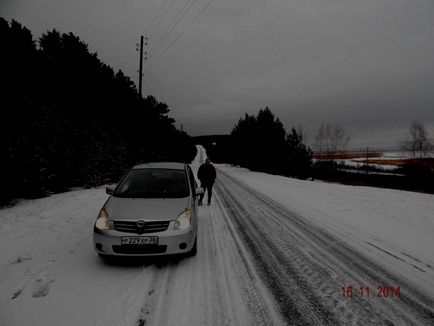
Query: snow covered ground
[
  {"x": 400, "y": 222},
  {"x": 385, "y": 156},
  {"x": 360, "y": 163},
  {"x": 272, "y": 251}
]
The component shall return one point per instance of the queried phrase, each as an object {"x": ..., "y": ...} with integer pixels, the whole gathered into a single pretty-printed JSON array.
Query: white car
[{"x": 152, "y": 211}]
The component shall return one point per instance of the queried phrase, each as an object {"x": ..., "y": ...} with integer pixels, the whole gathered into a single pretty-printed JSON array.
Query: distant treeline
[
  {"x": 261, "y": 143},
  {"x": 69, "y": 120}
]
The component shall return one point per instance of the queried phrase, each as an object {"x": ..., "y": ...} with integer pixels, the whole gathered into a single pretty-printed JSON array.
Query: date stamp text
[{"x": 381, "y": 291}]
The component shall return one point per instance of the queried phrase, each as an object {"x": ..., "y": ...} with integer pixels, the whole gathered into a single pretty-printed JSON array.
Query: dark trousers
[{"x": 206, "y": 187}]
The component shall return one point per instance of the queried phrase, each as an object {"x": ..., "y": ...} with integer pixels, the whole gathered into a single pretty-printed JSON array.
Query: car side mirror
[
  {"x": 199, "y": 191},
  {"x": 109, "y": 190}
]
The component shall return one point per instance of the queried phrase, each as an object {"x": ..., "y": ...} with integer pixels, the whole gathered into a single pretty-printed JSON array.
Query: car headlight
[
  {"x": 183, "y": 220},
  {"x": 102, "y": 221}
]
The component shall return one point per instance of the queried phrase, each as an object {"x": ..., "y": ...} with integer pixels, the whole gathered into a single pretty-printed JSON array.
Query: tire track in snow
[
  {"x": 216, "y": 287},
  {"x": 272, "y": 271},
  {"x": 305, "y": 267}
]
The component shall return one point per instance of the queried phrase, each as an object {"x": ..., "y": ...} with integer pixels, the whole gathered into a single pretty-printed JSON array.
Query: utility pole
[
  {"x": 141, "y": 61},
  {"x": 141, "y": 66}
]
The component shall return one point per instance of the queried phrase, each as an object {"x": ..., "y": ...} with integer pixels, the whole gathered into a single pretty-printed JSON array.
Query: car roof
[{"x": 161, "y": 165}]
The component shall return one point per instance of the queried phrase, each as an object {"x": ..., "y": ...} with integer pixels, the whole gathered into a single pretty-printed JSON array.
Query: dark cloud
[{"x": 368, "y": 65}]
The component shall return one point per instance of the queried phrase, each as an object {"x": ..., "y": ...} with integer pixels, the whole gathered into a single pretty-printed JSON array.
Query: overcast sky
[{"x": 365, "y": 64}]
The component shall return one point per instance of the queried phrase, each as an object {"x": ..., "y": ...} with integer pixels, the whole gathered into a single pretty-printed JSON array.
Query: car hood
[{"x": 161, "y": 209}]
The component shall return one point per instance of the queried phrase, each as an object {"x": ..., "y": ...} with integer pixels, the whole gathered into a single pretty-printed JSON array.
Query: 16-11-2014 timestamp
[{"x": 382, "y": 291}]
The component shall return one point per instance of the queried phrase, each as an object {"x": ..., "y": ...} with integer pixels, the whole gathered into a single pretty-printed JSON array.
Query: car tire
[{"x": 193, "y": 250}]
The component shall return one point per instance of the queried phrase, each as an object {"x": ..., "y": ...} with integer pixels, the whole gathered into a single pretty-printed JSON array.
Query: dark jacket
[{"x": 206, "y": 174}]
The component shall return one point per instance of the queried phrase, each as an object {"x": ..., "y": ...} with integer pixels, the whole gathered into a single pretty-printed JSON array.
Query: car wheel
[{"x": 193, "y": 250}]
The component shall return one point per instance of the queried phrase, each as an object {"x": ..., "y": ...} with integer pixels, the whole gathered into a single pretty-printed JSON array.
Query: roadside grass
[{"x": 408, "y": 174}]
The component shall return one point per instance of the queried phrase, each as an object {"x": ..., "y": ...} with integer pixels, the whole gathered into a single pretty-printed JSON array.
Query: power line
[
  {"x": 155, "y": 28},
  {"x": 155, "y": 16},
  {"x": 187, "y": 7},
  {"x": 180, "y": 34},
  {"x": 176, "y": 20}
]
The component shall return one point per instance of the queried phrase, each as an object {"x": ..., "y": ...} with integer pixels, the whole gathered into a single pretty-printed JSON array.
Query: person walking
[{"x": 206, "y": 176}]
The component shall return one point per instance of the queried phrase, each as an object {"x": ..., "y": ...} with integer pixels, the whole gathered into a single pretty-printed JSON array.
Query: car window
[{"x": 153, "y": 183}]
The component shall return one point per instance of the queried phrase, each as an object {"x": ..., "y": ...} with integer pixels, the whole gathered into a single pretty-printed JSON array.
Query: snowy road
[
  {"x": 271, "y": 251},
  {"x": 305, "y": 267}
]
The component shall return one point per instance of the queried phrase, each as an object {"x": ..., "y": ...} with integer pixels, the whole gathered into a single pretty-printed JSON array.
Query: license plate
[{"x": 138, "y": 241}]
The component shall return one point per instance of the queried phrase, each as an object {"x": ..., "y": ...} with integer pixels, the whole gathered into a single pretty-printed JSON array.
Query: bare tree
[
  {"x": 331, "y": 139},
  {"x": 319, "y": 140},
  {"x": 339, "y": 139},
  {"x": 417, "y": 142}
]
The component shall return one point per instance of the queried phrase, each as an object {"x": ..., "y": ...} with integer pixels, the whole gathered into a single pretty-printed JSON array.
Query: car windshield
[{"x": 153, "y": 183}]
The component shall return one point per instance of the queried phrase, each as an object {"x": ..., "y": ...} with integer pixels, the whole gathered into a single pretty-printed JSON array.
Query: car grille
[
  {"x": 139, "y": 250},
  {"x": 149, "y": 227}
]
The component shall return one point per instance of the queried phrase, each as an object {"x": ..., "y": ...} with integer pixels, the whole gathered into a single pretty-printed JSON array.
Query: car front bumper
[{"x": 169, "y": 242}]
